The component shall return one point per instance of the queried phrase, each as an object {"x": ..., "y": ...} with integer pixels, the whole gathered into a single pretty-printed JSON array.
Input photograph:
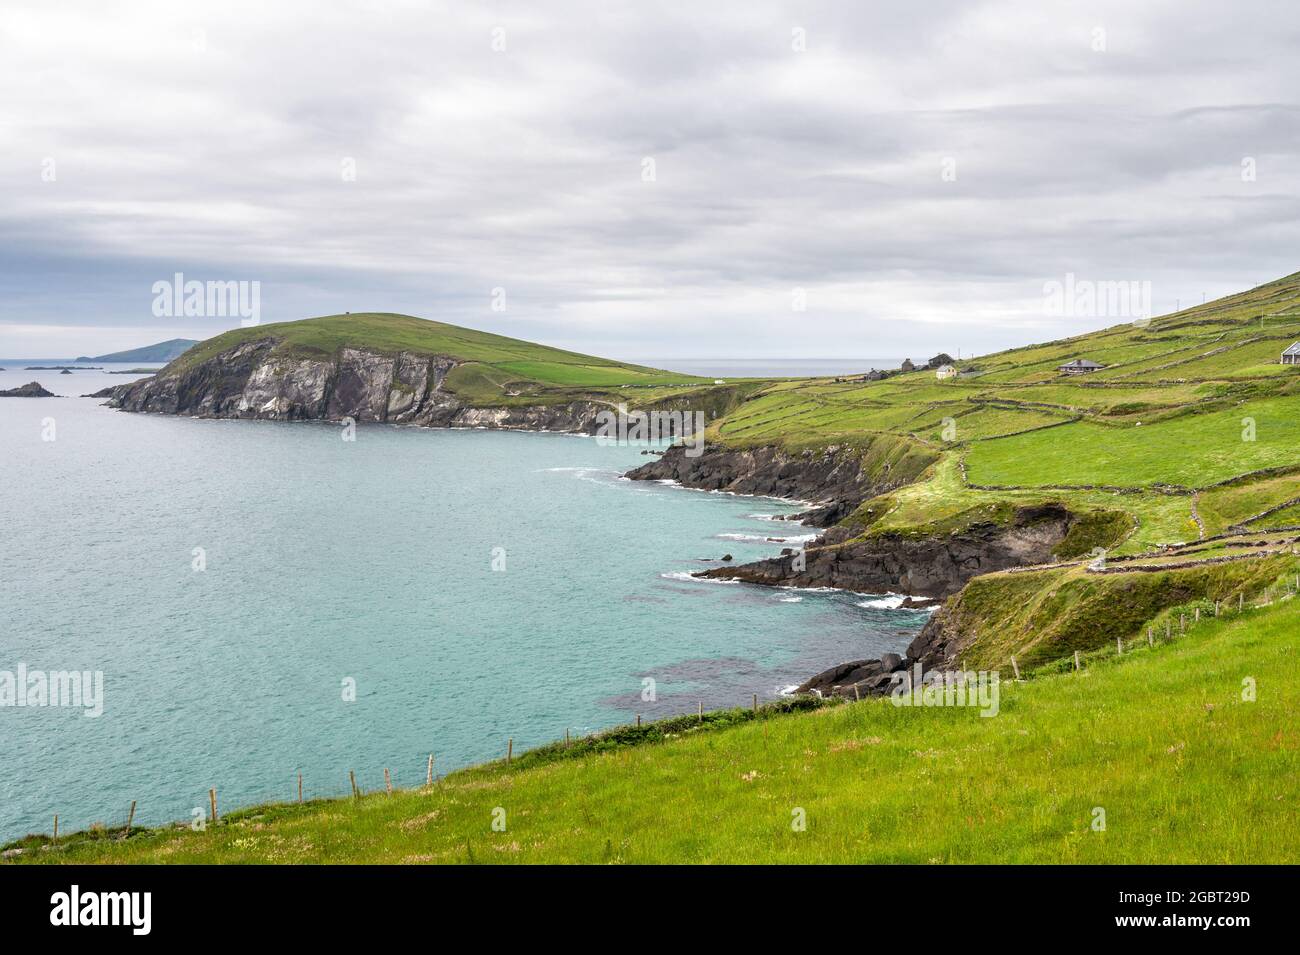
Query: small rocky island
[{"x": 32, "y": 389}]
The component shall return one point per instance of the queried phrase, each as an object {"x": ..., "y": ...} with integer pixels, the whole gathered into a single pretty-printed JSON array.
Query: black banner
[{"x": 210, "y": 903}]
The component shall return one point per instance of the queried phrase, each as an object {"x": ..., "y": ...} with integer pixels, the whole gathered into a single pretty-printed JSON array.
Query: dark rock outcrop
[
  {"x": 919, "y": 603},
  {"x": 857, "y": 678},
  {"x": 938, "y": 643},
  {"x": 916, "y": 565},
  {"x": 32, "y": 389},
  {"x": 833, "y": 477}
]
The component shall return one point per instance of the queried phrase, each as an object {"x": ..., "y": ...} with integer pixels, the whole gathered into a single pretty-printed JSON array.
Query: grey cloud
[{"x": 522, "y": 169}]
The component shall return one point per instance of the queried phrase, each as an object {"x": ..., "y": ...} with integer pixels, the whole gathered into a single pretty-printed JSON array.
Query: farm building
[
  {"x": 1292, "y": 355},
  {"x": 945, "y": 371},
  {"x": 1080, "y": 366}
]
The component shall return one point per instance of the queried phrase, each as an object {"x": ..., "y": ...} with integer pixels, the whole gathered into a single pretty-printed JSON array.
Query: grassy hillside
[
  {"x": 1045, "y": 615},
  {"x": 1191, "y": 430},
  {"x": 495, "y": 368},
  {"x": 1161, "y": 738}
]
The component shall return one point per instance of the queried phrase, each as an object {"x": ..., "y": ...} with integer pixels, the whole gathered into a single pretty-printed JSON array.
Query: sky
[{"x": 643, "y": 181}]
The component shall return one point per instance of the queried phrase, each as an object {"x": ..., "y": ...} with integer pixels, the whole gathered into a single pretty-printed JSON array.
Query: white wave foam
[
  {"x": 769, "y": 539},
  {"x": 887, "y": 602},
  {"x": 686, "y": 575}
]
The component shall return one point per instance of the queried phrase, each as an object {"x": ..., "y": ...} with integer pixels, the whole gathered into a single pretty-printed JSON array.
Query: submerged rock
[{"x": 918, "y": 603}]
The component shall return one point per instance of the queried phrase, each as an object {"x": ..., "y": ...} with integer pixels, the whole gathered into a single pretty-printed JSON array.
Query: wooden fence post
[
  {"x": 1076, "y": 659},
  {"x": 638, "y": 721},
  {"x": 756, "y": 702},
  {"x": 857, "y": 697},
  {"x": 300, "y": 787},
  {"x": 212, "y": 801},
  {"x": 388, "y": 781},
  {"x": 566, "y": 737},
  {"x": 1119, "y": 646},
  {"x": 130, "y": 817},
  {"x": 700, "y": 707},
  {"x": 1015, "y": 668},
  {"x": 1151, "y": 640},
  {"x": 56, "y": 826},
  {"x": 356, "y": 793},
  {"x": 428, "y": 777},
  {"x": 510, "y": 749}
]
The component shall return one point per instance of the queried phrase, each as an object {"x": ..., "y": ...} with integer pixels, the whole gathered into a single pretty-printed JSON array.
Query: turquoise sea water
[{"x": 370, "y": 561}]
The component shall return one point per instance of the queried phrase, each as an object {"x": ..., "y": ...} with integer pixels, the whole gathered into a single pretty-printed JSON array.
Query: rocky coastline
[
  {"x": 254, "y": 380},
  {"x": 834, "y": 479},
  {"x": 251, "y": 381},
  {"x": 927, "y": 569}
]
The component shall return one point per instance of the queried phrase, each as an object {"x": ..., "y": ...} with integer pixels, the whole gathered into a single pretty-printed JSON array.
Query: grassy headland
[{"x": 494, "y": 370}]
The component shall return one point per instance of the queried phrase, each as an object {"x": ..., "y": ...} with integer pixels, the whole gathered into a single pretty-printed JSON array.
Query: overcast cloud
[{"x": 1105, "y": 139}]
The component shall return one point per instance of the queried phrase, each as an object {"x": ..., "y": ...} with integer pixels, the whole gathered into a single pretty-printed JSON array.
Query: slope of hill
[
  {"x": 1190, "y": 430},
  {"x": 402, "y": 369},
  {"x": 1188, "y": 747},
  {"x": 162, "y": 351}
]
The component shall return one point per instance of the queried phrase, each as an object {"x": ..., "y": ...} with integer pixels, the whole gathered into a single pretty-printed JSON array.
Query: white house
[
  {"x": 1080, "y": 366},
  {"x": 1292, "y": 355},
  {"x": 945, "y": 371}
]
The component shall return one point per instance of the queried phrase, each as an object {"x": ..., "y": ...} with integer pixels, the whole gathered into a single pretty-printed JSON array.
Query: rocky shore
[
  {"x": 904, "y": 563},
  {"x": 834, "y": 479},
  {"x": 254, "y": 380},
  {"x": 926, "y": 568}
]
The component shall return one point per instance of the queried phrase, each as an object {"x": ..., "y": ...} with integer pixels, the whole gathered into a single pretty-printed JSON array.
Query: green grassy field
[
  {"x": 1191, "y": 450},
  {"x": 1163, "y": 740}
]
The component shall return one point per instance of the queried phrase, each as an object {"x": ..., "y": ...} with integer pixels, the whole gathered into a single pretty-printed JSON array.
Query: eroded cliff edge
[
  {"x": 834, "y": 479},
  {"x": 920, "y": 562},
  {"x": 920, "y": 565},
  {"x": 253, "y": 380}
]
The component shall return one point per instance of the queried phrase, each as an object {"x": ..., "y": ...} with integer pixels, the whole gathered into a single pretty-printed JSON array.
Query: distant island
[
  {"x": 32, "y": 389},
  {"x": 162, "y": 351}
]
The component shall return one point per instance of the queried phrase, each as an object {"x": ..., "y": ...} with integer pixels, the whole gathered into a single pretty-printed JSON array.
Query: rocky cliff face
[
  {"x": 901, "y": 563},
  {"x": 834, "y": 478},
  {"x": 251, "y": 381}
]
